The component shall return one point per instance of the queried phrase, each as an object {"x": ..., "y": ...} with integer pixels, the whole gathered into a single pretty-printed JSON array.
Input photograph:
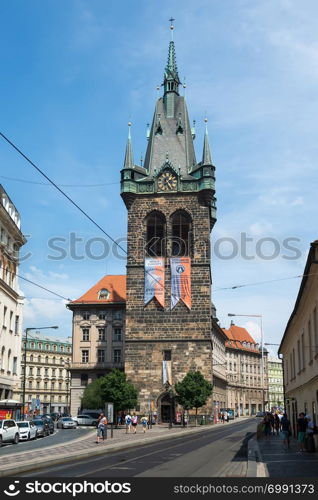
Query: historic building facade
[
  {"x": 275, "y": 384},
  {"x": 46, "y": 373},
  {"x": 97, "y": 334},
  {"x": 171, "y": 212},
  {"x": 219, "y": 340},
  {"x": 11, "y": 303},
  {"x": 247, "y": 393},
  {"x": 299, "y": 346}
]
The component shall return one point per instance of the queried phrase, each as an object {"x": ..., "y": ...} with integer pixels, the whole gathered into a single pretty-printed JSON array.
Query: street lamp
[
  {"x": 262, "y": 349},
  {"x": 67, "y": 365},
  {"x": 27, "y": 330}
]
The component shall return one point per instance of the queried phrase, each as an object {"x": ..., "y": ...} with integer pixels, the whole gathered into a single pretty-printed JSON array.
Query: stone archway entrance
[{"x": 166, "y": 408}]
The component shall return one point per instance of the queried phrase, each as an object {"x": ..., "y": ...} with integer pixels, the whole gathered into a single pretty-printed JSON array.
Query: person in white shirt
[{"x": 128, "y": 422}]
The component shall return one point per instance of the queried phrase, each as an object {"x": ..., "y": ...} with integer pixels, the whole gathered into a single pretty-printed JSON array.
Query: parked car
[
  {"x": 27, "y": 430},
  {"x": 66, "y": 423},
  {"x": 260, "y": 414},
  {"x": 85, "y": 420},
  {"x": 9, "y": 432},
  {"x": 42, "y": 427}
]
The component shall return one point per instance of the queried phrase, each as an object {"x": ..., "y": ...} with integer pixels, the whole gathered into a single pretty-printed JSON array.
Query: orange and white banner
[
  {"x": 155, "y": 280},
  {"x": 180, "y": 281}
]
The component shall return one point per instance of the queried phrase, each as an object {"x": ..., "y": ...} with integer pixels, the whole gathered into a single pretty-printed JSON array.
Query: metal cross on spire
[{"x": 171, "y": 26}]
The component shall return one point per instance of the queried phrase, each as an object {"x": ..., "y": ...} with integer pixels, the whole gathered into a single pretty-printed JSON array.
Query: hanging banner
[
  {"x": 180, "y": 281},
  {"x": 166, "y": 372},
  {"x": 155, "y": 280}
]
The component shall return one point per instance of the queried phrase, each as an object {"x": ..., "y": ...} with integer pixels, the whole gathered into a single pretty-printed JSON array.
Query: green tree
[
  {"x": 92, "y": 397},
  {"x": 193, "y": 391},
  {"x": 112, "y": 388}
]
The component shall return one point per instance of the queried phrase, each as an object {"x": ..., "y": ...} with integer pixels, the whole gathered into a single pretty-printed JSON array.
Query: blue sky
[{"x": 74, "y": 73}]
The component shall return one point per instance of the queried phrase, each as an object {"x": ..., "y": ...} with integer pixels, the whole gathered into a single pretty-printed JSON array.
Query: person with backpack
[
  {"x": 144, "y": 423},
  {"x": 310, "y": 431},
  {"x": 128, "y": 422},
  {"x": 134, "y": 422}
]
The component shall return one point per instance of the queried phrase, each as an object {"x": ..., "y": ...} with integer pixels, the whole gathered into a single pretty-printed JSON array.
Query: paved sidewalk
[
  {"x": 85, "y": 446},
  {"x": 289, "y": 463}
]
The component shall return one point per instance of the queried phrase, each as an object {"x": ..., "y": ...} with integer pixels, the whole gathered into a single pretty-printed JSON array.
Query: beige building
[
  {"x": 11, "y": 303},
  {"x": 219, "y": 393},
  {"x": 247, "y": 393},
  {"x": 97, "y": 334},
  {"x": 47, "y": 381},
  {"x": 299, "y": 346},
  {"x": 275, "y": 384}
]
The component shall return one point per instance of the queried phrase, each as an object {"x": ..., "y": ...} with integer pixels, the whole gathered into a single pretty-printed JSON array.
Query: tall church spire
[
  {"x": 129, "y": 157},
  {"x": 206, "y": 156}
]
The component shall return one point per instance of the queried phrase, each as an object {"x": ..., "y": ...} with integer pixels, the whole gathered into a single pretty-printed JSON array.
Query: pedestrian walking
[
  {"x": 301, "y": 431},
  {"x": 101, "y": 428},
  {"x": 310, "y": 443},
  {"x": 144, "y": 423},
  {"x": 128, "y": 422},
  {"x": 276, "y": 424},
  {"x": 285, "y": 431},
  {"x": 267, "y": 425},
  {"x": 226, "y": 416},
  {"x": 222, "y": 417},
  {"x": 134, "y": 422}
]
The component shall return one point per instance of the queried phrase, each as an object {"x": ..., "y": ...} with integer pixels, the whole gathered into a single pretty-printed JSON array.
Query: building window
[
  {"x": 45, "y": 385},
  {"x": 315, "y": 331},
  {"x": 118, "y": 315},
  {"x": 310, "y": 341},
  {"x": 46, "y": 360},
  {"x": 31, "y": 358},
  {"x": 54, "y": 348},
  {"x": 39, "y": 359},
  {"x": 167, "y": 355},
  {"x": 46, "y": 371},
  {"x": 52, "y": 386},
  {"x": 85, "y": 332},
  {"x": 117, "y": 336},
  {"x": 61, "y": 372},
  {"x": 84, "y": 379},
  {"x": 38, "y": 385},
  {"x": 38, "y": 371},
  {"x": 84, "y": 356},
  {"x": 40, "y": 346},
  {"x": 104, "y": 294},
  {"x": 102, "y": 316},
  {"x": 86, "y": 316},
  {"x": 30, "y": 384},
  {"x": 16, "y": 328},
  {"x": 303, "y": 357},
  {"x": 156, "y": 231},
  {"x": 60, "y": 386},
  {"x": 15, "y": 365},
  {"x": 54, "y": 360},
  {"x": 117, "y": 355},
  {"x": 53, "y": 372},
  {"x": 181, "y": 233},
  {"x": 100, "y": 355},
  {"x": 101, "y": 334}
]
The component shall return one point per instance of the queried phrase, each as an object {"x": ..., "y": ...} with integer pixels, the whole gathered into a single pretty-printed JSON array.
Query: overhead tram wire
[
  {"x": 26, "y": 181},
  {"x": 234, "y": 287},
  {"x": 73, "y": 202},
  {"x": 39, "y": 286}
]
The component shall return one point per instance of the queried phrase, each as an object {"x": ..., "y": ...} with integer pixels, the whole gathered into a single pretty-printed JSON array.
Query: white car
[
  {"x": 85, "y": 420},
  {"x": 27, "y": 430},
  {"x": 9, "y": 432}
]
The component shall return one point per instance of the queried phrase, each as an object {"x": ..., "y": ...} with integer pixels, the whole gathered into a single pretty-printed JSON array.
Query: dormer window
[{"x": 104, "y": 294}]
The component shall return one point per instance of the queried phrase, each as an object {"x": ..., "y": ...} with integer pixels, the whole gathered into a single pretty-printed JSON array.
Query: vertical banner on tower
[
  {"x": 180, "y": 281},
  {"x": 155, "y": 280}
]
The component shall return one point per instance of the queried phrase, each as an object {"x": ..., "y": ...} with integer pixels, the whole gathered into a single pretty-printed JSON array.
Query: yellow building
[{"x": 299, "y": 346}]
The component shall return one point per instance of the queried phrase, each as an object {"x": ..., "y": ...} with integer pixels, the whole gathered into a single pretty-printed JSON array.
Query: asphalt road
[
  {"x": 221, "y": 451},
  {"x": 59, "y": 436}
]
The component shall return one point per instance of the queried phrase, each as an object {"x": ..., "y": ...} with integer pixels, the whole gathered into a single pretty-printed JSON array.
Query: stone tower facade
[{"x": 171, "y": 212}]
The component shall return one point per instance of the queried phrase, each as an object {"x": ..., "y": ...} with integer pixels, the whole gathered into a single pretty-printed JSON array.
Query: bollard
[{"x": 112, "y": 430}]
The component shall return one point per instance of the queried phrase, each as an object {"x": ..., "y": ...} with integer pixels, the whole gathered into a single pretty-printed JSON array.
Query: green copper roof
[
  {"x": 129, "y": 157},
  {"x": 206, "y": 156}
]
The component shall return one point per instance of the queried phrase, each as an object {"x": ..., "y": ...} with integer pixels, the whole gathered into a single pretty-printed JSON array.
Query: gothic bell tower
[{"x": 170, "y": 201}]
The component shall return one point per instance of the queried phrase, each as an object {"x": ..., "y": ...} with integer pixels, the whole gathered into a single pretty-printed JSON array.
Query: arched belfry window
[
  {"x": 156, "y": 232},
  {"x": 181, "y": 233}
]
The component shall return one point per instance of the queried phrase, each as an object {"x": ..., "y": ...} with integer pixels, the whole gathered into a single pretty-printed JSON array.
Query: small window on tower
[
  {"x": 167, "y": 355},
  {"x": 156, "y": 229}
]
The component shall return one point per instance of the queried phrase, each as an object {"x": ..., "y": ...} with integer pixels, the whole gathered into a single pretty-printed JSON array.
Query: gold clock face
[{"x": 167, "y": 182}]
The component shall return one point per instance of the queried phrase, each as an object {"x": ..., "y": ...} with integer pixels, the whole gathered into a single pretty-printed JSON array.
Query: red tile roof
[
  {"x": 116, "y": 286},
  {"x": 236, "y": 336}
]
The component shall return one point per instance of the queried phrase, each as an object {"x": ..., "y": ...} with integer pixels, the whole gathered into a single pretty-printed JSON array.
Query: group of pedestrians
[
  {"x": 132, "y": 421},
  {"x": 279, "y": 425}
]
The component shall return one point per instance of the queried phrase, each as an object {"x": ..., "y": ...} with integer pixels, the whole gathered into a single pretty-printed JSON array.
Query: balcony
[{"x": 107, "y": 365}]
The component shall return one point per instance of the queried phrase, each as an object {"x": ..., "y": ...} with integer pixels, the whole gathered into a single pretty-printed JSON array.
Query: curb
[
  {"x": 95, "y": 452},
  {"x": 255, "y": 465}
]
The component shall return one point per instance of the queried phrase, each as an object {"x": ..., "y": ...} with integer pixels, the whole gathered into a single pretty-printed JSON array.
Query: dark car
[{"x": 42, "y": 427}]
